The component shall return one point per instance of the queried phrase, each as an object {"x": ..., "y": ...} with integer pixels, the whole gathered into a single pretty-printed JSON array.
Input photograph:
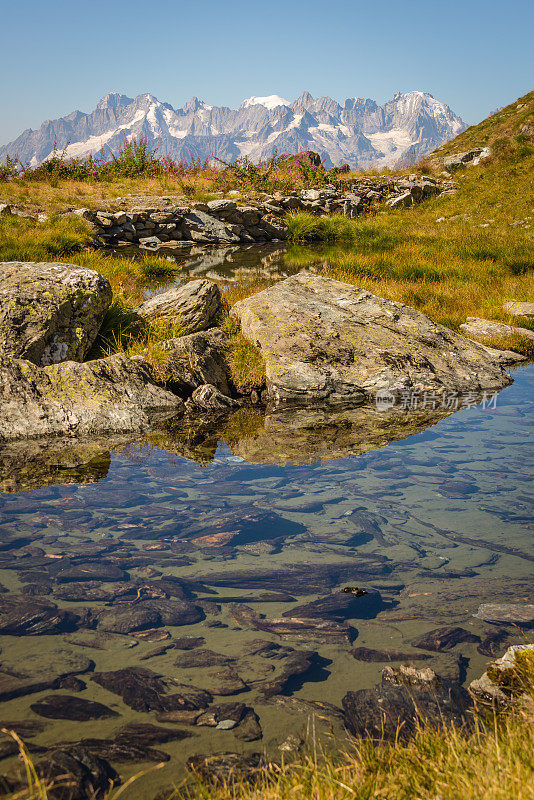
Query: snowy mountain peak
[
  {"x": 270, "y": 101},
  {"x": 360, "y": 132}
]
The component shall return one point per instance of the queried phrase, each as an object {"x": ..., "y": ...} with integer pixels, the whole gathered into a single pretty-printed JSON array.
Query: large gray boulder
[
  {"x": 113, "y": 394},
  {"x": 326, "y": 341},
  {"x": 194, "y": 306},
  {"x": 50, "y": 312},
  {"x": 197, "y": 359}
]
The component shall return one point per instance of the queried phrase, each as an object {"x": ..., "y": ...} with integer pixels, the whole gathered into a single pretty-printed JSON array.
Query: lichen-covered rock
[
  {"x": 507, "y": 680},
  {"x": 323, "y": 340},
  {"x": 516, "y": 309},
  {"x": 113, "y": 394},
  {"x": 197, "y": 359},
  {"x": 50, "y": 312},
  {"x": 195, "y": 306}
]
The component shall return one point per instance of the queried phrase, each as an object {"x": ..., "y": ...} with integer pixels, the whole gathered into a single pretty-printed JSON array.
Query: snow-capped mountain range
[{"x": 359, "y": 132}]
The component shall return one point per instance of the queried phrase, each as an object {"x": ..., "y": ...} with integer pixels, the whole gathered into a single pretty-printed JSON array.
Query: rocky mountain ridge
[{"x": 359, "y": 132}]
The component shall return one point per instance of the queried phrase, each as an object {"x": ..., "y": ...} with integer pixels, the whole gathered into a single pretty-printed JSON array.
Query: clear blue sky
[{"x": 59, "y": 56}]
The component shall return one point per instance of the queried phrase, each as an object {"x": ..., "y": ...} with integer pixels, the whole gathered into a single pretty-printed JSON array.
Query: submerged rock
[
  {"x": 41, "y": 671},
  {"x": 112, "y": 394},
  {"x": 340, "y": 606},
  {"x": 294, "y": 627},
  {"x": 370, "y": 655},
  {"x": 22, "y": 616},
  {"x": 521, "y": 614},
  {"x": 491, "y": 645},
  {"x": 326, "y": 341},
  {"x": 50, "y": 312},
  {"x": 144, "y": 690},
  {"x": 122, "y": 752},
  {"x": 405, "y": 698},
  {"x": 194, "y": 306},
  {"x": 83, "y": 775},
  {"x": 225, "y": 767},
  {"x": 249, "y": 729},
  {"x": 444, "y": 639},
  {"x": 62, "y": 706},
  {"x": 214, "y": 715},
  {"x": 144, "y": 733}
]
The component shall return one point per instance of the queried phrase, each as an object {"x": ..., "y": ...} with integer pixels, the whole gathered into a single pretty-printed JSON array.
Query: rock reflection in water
[
  {"x": 253, "y": 263},
  {"x": 293, "y": 435},
  {"x": 308, "y": 436},
  {"x": 31, "y": 464},
  {"x": 280, "y": 436}
]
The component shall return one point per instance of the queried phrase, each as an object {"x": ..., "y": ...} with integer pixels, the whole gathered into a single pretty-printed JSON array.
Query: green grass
[
  {"x": 305, "y": 227},
  {"x": 69, "y": 239},
  {"x": 498, "y": 129}
]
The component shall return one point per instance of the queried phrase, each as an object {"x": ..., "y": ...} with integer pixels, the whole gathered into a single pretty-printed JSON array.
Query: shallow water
[
  {"x": 242, "y": 264},
  {"x": 271, "y": 512}
]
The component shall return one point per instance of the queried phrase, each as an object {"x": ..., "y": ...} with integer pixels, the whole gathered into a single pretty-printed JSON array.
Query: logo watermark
[{"x": 413, "y": 400}]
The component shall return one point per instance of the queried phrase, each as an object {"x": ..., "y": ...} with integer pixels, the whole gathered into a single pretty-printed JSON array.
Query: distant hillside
[{"x": 513, "y": 124}]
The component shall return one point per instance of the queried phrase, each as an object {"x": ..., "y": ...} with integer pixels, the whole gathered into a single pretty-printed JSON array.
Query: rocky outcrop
[
  {"x": 50, "y": 312},
  {"x": 170, "y": 225},
  {"x": 328, "y": 342},
  {"x": 113, "y": 394},
  {"x": 470, "y": 158},
  {"x": 194, "y": 306},
  {"x": 488, "y": 329}
]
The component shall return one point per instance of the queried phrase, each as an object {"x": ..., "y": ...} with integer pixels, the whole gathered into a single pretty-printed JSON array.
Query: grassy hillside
[{"x": 503, "y": 125}]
